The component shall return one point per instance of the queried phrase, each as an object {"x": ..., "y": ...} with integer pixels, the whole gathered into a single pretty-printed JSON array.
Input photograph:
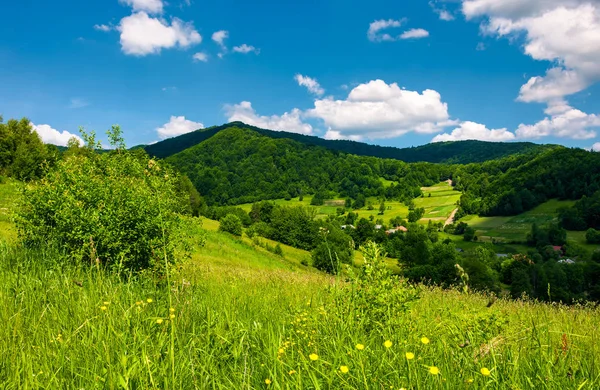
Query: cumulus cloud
[
  {"x": 562, "y": 121},
  {"x": 443, "y": 13},
  {"x": 375, "y": 29},
  {"x": 415, "y": 33},
  {"x": 178, "y": 125},
  {"x": 289, "y": 121},
  {"x": 203, "y": 57},
  {"x": 50, "y": 135},
  {"x": 595, "y": 147},
  {"x": 150, "y": 6},
  {"x": 142, "y": 35},
  {"x": 245, "y": 49},
  {"x": 103, "y": 27},
  {"x": 565, "y": 33},
  {"x": 471, "y": 130},
  {"x": 311, "y": 84},
  {"x": 219, "y": 37},
  {"x": 380, "y": 110}
]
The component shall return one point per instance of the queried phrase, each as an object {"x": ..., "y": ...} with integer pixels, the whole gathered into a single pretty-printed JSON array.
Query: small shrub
[{"x": 231, "y": 223}]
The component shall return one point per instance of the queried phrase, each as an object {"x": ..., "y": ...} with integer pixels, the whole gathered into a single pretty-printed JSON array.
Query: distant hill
[{"x": 460, "y": 152}]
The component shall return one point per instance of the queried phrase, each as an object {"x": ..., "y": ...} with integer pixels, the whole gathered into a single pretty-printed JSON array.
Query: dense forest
[
  {"x": 241, "y": 166},
  {"x": 461, "y": 152}
]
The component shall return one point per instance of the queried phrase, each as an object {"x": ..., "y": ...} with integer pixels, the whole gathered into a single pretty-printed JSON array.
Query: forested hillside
[
  {"x": 515, "y": 184},
  {"x": 240, "y": 166},
  {"x": 461, "y": 152}
]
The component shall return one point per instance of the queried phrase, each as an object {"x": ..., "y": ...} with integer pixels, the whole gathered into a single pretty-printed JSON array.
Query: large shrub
[
  {"x": 337, "y": 248},
  {"x": 231, "y": 223},
  {"x": 117, "y": 209}
]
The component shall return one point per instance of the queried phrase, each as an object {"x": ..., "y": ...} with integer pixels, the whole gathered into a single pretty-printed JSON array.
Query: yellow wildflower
[
  {"x": 292, "y": 372},
  {"x": 280, "y": 351},
  {"x": 172, "y": 310},
  {"x": 344, "y": 369},
  {"x": 410, "y": 355},
  {"x": 171, "y": 316},
  {"x": 387, "y": 344},
  {"x": 424, "y": 340},
  {"x": 106, "y": 303},
  {"x": 149, "y": 300},
  {"x": 469, "y": 381},
  {"x": 360, "y": 347},
  {"x": 102, "y": 307},
  {"x": 138, "y": 303},
  {"x": 268, "y": 381},
  {"x": 485, "y": 372},
  {"x": 159, "y": 321},
  {"x": 313, "y": 356},
  {"x": 433, "y": 370}
]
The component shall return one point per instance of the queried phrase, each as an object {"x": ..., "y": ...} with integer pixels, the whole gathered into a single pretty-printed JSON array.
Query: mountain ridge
[{"x": 460, "y": 152}]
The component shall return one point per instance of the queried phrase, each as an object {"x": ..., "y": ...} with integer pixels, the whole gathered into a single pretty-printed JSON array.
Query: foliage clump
[
  {"x": 231, "y": 223},
  {"x": 118, "y": 209},
  {"x": 337, "y": 248}
]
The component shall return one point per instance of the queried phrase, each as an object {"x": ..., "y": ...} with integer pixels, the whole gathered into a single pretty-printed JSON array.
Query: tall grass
[{"x": 65, "y": 327}]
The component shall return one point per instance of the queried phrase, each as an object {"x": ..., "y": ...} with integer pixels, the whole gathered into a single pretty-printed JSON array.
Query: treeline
[
  {"x": 515, "y": 184},
  {"x": 241, "y": 166},
  {"x": 460, "y": 152}
]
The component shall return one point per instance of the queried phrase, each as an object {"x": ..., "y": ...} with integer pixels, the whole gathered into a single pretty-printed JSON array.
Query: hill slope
[{"x": 461, "y": 152}]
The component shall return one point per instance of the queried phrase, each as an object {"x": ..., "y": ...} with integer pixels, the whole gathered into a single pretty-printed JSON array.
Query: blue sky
[{"x": 396, "y": 73}]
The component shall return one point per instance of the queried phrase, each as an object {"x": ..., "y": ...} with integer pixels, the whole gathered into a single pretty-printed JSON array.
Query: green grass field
[
  {"x": 515, "y": 228},
  {"x": 8, "y": 196},
  {"x": 235, "y": 316},
  {"x": 438, "y": 207}
]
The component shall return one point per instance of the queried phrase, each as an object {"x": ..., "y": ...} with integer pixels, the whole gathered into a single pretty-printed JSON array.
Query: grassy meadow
[
  {"x": 233, "y": 315},
  {"x": 438, "y": 206}
]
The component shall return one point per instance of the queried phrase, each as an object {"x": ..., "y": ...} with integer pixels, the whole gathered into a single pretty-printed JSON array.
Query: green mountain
[
  {"x": 460, "y": 152},
  {"x": 238, "y": 165}
]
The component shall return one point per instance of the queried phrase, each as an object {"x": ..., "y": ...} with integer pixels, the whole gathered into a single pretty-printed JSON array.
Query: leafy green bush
[
  {"x": 117, "y": 209},
  {"x": 231, "y": 223},
  {"x": 336, "y": 249}
]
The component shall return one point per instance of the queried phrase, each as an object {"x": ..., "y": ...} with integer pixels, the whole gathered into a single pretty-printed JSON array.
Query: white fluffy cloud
[
  {"x": 414, "y": 33},
  {"x": 311, "y": 84},
  {"x": 103, "y": 27},
  {"x": 595, "y": 147},
  {"x": 245, "y": 49},
  {"x": 219, "y": 37},
  {"x": 203, "y": 57},
  {"x": 53, "y": 136},
  {"x": 142, "y": 35},
  {"x": 178, "y": 125},
  {"x": 289, "y": 121},
  {"x": 150, "y": 6},
  {"x": 563, "y": 121},
  {"x": 564, "y": 32},
  {"x": 471, "y": 130},
  {"x": 379, "y": 110},
  {"x": 443, "y": 13},
  {"x": 374, "y": 33}
]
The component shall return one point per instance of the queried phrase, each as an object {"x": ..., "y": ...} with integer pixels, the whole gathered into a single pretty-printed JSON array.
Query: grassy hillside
[
  {"x": 461, "y": 152},
  {"x": 8, "y": 197},
  {"x": 235, "y": 316}
]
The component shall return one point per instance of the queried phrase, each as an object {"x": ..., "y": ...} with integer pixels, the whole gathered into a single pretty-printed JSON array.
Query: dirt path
[{"x": 450, "y": 218}]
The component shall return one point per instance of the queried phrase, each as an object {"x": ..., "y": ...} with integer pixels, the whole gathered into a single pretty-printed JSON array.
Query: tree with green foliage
[
  {"x": 118, "y": 209},
  {"x": 335, "y": 249},
  {"x": 22, "y": 152},
  {"x": 231, "y": 223},
  {"x": 382, "y": 207},
  {"x": 592, "y": 236}
]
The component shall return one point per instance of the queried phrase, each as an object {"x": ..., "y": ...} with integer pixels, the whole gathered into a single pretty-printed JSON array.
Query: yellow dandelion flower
[
  {"x": 102, "y": 307},
  {"x": 410, "y": 355},
  {"x": 268, "y": 381},
  {"x": 171, "y": 316},
  {"x": 149, "y": 300},
  {"x": 292, "y": 372},
  {"x": 387, "y": 344},
  {"x": 172, "y": 310},
  {"x": 485, "y": 372},
  {"x": 469, "y": 381},
  {"x": 280, "y": 351},
  {"x": 313, "y": 357},
  {"x": 344, "y": 369},
  {"x": 159, "y": 321},
  {"x": 433, "y": 370},
  {"x": 138, "y": 303},
  {"x": 424, "y": 340},
  {"x": 106, "y": 303},
  {"x": 360, "y": 347}
]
